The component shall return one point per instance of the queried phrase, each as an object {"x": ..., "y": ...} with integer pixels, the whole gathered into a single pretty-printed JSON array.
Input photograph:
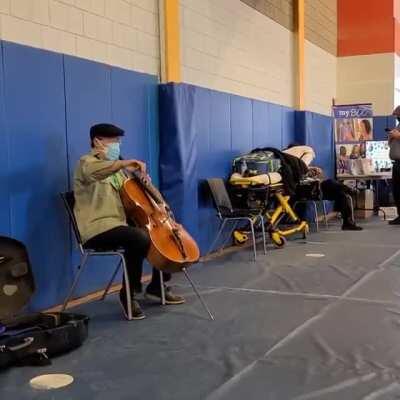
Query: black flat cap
[{"x": 105, "y": 130}]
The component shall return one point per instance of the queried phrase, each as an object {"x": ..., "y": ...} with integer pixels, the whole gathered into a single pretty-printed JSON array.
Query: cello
[{"x": 172, "y": 249}]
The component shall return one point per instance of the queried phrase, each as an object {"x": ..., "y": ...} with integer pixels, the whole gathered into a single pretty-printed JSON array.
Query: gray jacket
[{"x": 394, "y": 152}]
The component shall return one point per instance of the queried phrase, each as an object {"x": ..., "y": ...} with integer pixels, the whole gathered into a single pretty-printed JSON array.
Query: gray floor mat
[{"x": 287, "y": 327}]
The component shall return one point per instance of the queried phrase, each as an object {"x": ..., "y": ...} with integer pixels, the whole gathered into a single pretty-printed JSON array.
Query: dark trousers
[
  {"x": 336, "y": 191},
  {"x": 136, "y": 243},
  {"x": 396, "y": 185}
]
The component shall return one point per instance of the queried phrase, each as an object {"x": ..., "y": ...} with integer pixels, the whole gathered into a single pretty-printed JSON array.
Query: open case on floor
[{"x": 30, "y": 339}]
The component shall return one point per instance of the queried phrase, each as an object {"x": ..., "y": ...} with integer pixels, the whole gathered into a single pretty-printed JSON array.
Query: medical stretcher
[{"x": 267, "y": 192}]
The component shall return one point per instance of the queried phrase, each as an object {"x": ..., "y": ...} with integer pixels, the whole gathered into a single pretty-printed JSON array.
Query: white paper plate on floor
[
  {"x": 51, "y": 381},
  {"x": 315, "y": 255}
]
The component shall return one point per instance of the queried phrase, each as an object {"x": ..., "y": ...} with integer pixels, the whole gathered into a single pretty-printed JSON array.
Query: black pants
[
  {"x": 396, "y": 185},
  {"x": 336, "y": 191},
  {"x": 135, "y": 242}
]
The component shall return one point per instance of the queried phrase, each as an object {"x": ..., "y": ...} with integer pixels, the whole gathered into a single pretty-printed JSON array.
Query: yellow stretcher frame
[{"x": 278, "y": 236}]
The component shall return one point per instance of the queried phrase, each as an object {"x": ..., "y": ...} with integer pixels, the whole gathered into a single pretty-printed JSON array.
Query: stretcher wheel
[
  {"x": 278, "y": 240},
  {"x": 240, "y": 237}
]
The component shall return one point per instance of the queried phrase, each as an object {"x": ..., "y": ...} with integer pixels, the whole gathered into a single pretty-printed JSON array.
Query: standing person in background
[{"x": 394, "y": 154}]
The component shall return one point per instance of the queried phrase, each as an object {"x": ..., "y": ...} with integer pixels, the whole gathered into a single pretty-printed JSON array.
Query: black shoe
[
  {"x": 137, "y": 312},
  {"x": 170, "y": 298},
  {"x": 395, "y": 221},
  {"x": 351, "y": 227}
]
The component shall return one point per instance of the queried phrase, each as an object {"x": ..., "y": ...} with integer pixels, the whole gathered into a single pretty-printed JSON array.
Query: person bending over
[
  {"x": 331, "y": 189},
  {"x": 101, "y": 217}
]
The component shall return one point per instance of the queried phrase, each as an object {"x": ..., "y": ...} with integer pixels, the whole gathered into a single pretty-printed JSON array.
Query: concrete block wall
[
  {"x": 231, "y": 47},
  {"x": 321, "y": 24},
  {"x": 123, "y": 33},
  {"x": 245, "y": 47},
  {"x": 281, "y": 11},
  {"x": 396, "y": 80},
  {"x": 320, "y": 79},
  {"x": 368, "y": 78}
]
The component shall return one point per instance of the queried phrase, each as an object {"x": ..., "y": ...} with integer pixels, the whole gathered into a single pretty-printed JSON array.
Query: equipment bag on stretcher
[{"x": 256, "y": 163}]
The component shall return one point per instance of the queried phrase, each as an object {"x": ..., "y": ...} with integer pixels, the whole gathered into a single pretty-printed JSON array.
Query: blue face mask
[{"x": 113, "y": 151}]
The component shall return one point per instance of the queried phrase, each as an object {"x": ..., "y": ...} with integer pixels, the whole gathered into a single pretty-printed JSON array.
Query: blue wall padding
[
  {"x": 88, "y": 101},
  {"x": 316, "y": 130},
  {"x": 178, "y": 151},
  {"x": 134, "y": 107},
  {"x": 380, "y": 123},
  {"x": 241, "y": 124},
  {"x": 35, "y": 126},
  {"x": 103, "y": 94},
  {"x": 201, "y": 131},
  {"x": 5, "y": 227},
  {"x": 288, "y": 126},
  {"x": 50, "y": 102},
  {"x": 134, "y": 96}
]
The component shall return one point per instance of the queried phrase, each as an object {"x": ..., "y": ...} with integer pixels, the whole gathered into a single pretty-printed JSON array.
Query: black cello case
[{"x": 30, "y": 339}]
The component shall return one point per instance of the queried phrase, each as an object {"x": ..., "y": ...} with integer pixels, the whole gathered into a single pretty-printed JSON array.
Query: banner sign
[{"x": 353, "y": 128}]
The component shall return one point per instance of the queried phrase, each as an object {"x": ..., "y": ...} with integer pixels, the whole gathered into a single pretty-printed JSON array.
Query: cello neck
[{"x": 149, "y": 188}]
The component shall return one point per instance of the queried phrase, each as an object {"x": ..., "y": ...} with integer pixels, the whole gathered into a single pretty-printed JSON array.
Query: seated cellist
[{"x": 101, "y": 217}]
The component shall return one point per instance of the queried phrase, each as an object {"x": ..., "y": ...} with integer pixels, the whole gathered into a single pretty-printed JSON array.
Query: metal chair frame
[
  {"x": 224, "y": 218},
  {"x": 85, "y": 254},
  {"x": 315, "y": 209}
]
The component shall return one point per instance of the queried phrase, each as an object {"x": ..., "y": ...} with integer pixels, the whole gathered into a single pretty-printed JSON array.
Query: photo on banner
[{"x": 353, "y": 128}]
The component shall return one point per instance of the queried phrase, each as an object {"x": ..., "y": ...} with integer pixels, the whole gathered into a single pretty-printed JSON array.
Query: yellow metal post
[
  {"x": 300, "y": 40},
  {"x": 171, "y": 41}
]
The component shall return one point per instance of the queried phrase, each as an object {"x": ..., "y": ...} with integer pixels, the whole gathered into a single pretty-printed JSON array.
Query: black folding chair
[
  {"x": 69, "y": 202},
  {"x": 226, "y": 213},
  {"x": 312, "y": 196}
]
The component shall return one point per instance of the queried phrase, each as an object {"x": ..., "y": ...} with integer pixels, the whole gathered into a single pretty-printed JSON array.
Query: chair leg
[
  {"x": 316, "y": 215},
  {"x": 105, "y": 293},
  {"x": 162, "y": 288},
  {"x": 76, "y": 279},
  {"x": 254, "y": 239},
  {"x": 127, "y": 289},
  {"x": 198, "y": 294},
  {"x": 221, "y": 228},
  {"x": 263, "y": 234},
  {"x": 325, "y": 213},
  {"x": 235, "y": 224}
]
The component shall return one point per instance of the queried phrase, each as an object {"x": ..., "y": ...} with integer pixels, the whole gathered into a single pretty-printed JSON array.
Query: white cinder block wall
[
  {"x": 226, "y": 45},
  {"x": 320, "y": 79},
  {"x": 396, "y": 79},
  {"x": 368, "y": 78},
  {"x": 123, "y": 33},
  {"x": 231, "y": 47}
]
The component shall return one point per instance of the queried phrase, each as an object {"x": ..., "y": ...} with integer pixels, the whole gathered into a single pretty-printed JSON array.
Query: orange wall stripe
[
  {"x": 365, "y": 27},
  {"x": 300, "y": 54}
]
